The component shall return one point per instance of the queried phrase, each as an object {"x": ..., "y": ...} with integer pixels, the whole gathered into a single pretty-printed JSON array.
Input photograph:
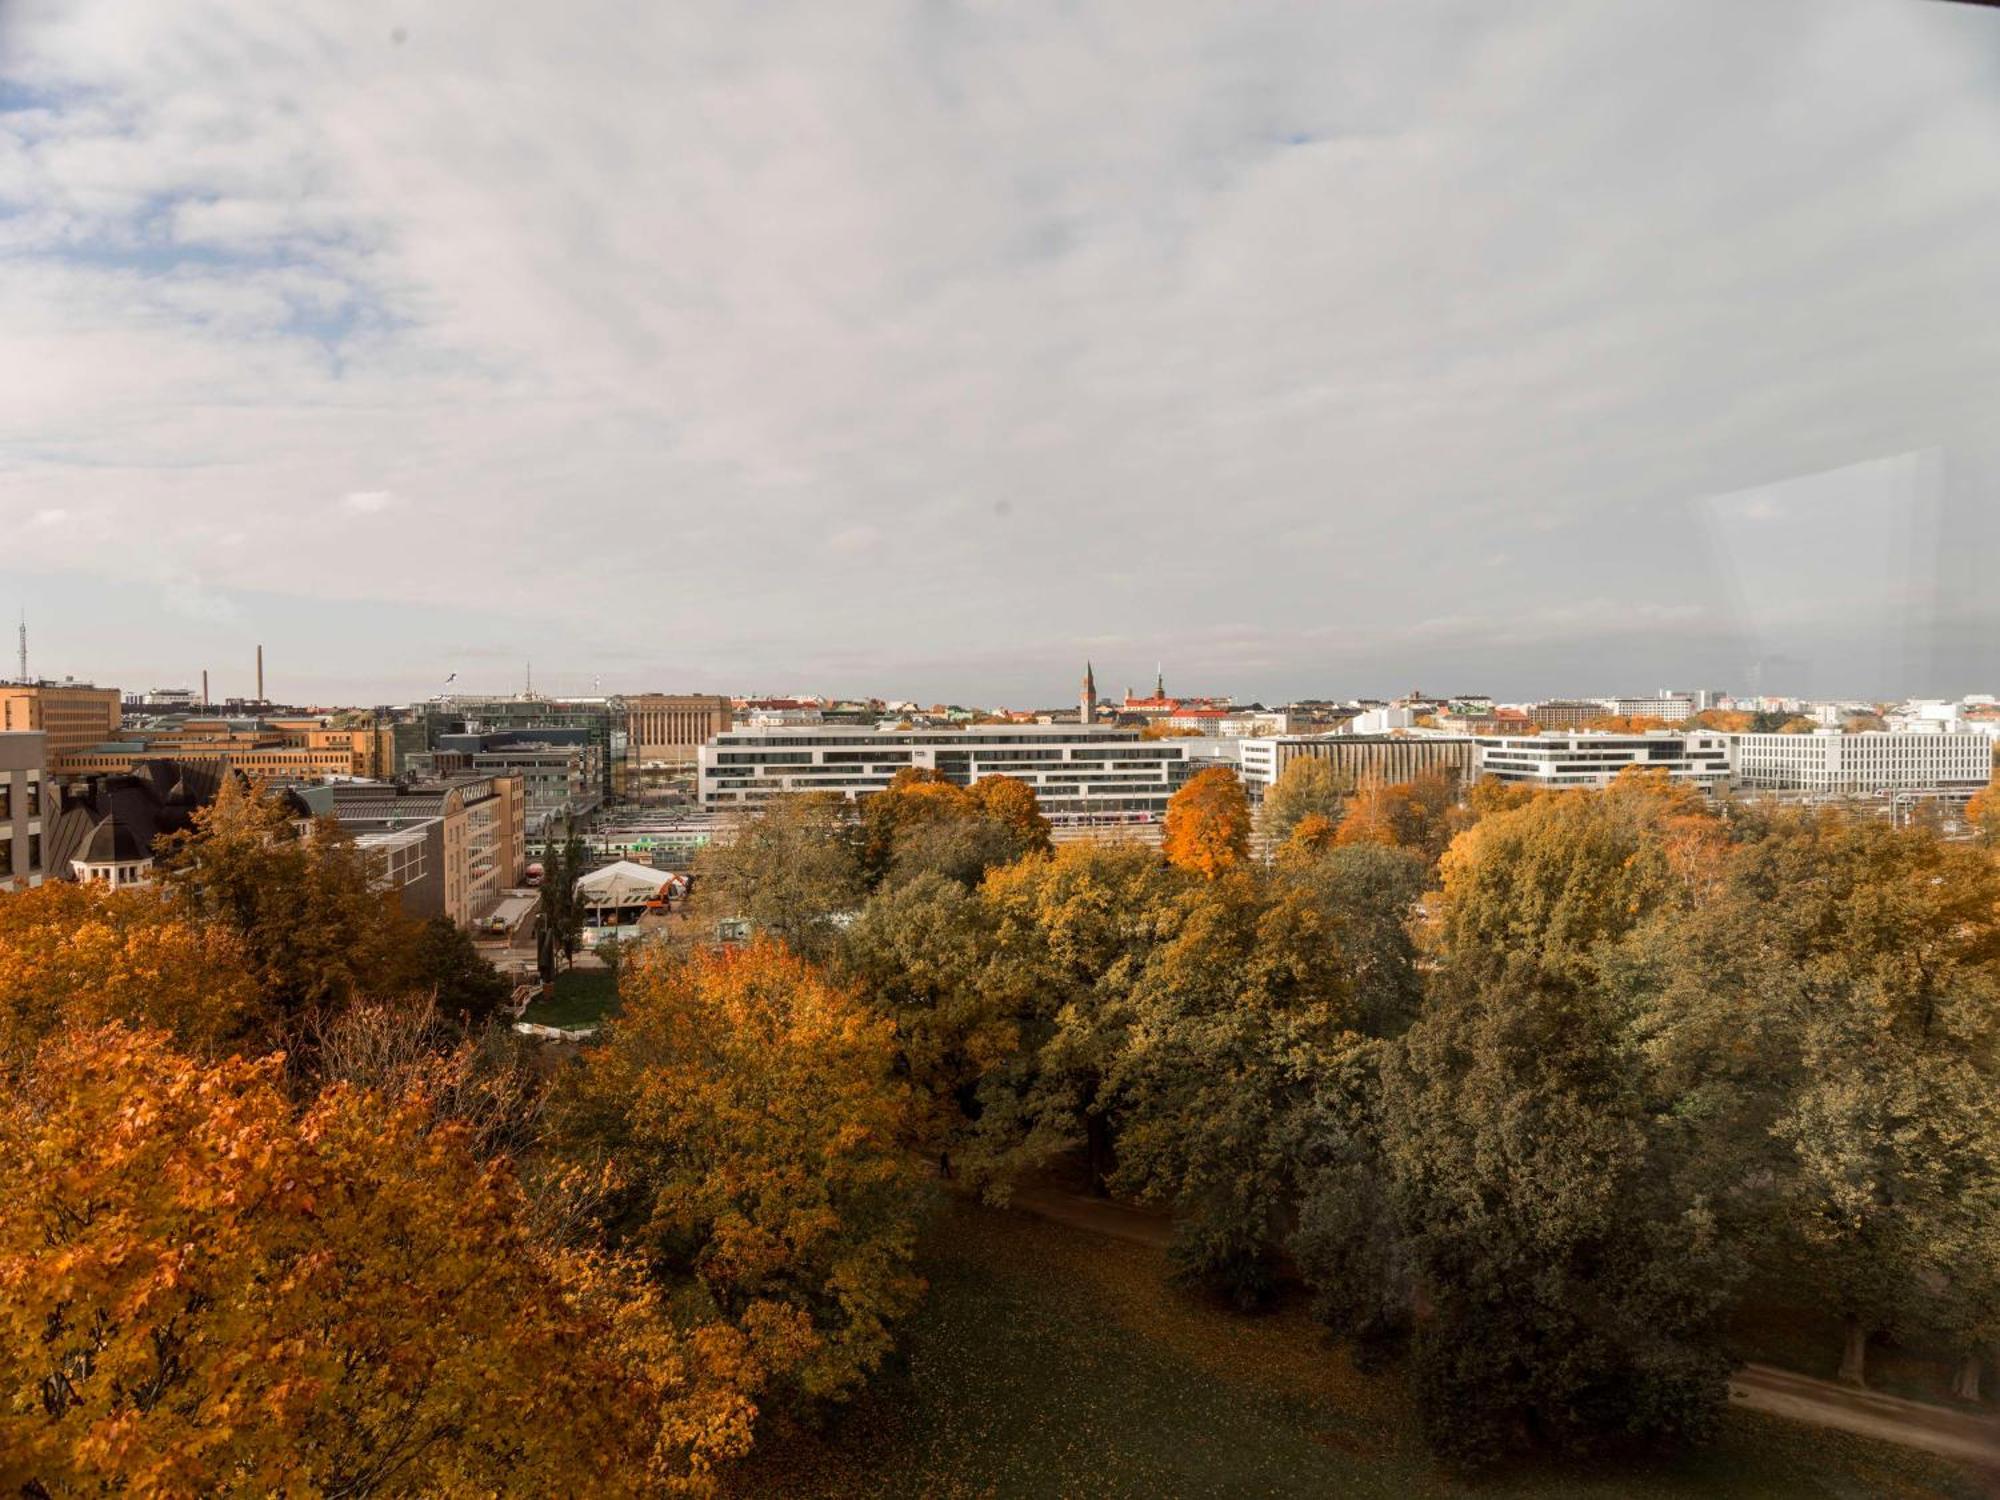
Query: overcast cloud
[{"x": 923, "y": 349}]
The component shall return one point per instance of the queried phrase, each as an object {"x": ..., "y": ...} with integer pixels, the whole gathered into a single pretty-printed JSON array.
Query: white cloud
[{"x": 1096, "y": 304}]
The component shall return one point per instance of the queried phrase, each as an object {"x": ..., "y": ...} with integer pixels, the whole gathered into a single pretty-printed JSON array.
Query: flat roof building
[
  {"x": 1389, "y": 757},
  {"x": 1080, "y": 773},
  {"x": 1590, "y": 759},
  {"x": 1829, "y": 762},
  {"x": 73, "y": 715}
]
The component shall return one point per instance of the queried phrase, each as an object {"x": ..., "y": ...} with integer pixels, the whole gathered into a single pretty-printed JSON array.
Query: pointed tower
[
  {"x": 1087, "y": 713},
  {"x": 1159, "y": 680}
]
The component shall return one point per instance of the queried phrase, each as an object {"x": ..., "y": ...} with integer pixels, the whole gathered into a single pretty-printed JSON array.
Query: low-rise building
[
  {"x": 1356, "y": 757},
  {"x": 1591, "y": 759},
  {"x": 23, "y": 770},
  {"x": 1080, "y": 773},
  {"x": 1828, "y": 762}
]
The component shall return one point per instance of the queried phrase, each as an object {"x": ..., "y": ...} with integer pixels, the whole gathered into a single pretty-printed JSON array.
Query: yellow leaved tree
[
  {"x": 748, "y": 1106},
  {"x": 203, "y": 1291}
]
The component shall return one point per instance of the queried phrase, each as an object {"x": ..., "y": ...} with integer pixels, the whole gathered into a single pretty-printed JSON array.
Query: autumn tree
[
  {"x": 1208, "y": 823},
  {"x": 81, "y": 954},
  {"x": 315, "y": 929},
  {"x": 1723, "y": 721},
  {"x": 749, "y": 1104},
  {"x": 1012, "y": 802},
  {"x": 446, "y": 964},
  {"x": 1982, "y": 815},
  {"x": 1311, "y": 787},
  {"x": 792, "y": 868},
  {"x": 923, "y": 822},
  {"x": 203, "y": 1292},
  {"x": 1543, "y": 887},
  {"x": 1373, "y": 893},
  {"x": 1311, "y": 837},
  {"x": 1418, "y": 814}
]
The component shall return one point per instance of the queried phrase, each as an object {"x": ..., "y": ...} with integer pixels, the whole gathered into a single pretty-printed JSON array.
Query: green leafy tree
[
  {"x": 794, "y": 869},
  {"x": 1571, "y": 1287},
  {"x": 926, "y": 952},
  {"x": 1076, "y": 931},
  {"x": 1240, "y": 1003},
  {"x": 448, "y": 964},
  {"x": 566, "y": 862},
  {"x": 1310, "y": 787}
]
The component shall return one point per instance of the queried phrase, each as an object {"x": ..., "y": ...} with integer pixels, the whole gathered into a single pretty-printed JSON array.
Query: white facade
[
  {"x": 1829, "y": 762},
  {"x": 1592, "y": 759},
  {"x": 1079, "y": 773},
  {"x": 1665, "y": 704},
  {"x": 1380, "y": 721}
]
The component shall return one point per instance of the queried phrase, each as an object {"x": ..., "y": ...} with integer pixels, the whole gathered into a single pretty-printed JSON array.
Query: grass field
[
  {"x": 583, "y": 997},
  {"x": 1049, "y": 1362}
]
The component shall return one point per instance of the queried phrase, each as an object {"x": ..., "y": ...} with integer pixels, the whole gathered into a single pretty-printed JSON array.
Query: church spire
[
  {"x": 1087, "y": 708},
  {"x": 1159, "y": 680}
]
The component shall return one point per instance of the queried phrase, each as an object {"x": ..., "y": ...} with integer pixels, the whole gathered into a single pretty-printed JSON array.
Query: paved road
[
  {"x": 1952, "y": 1432},
  {"x": 1915, "y": 1424}
]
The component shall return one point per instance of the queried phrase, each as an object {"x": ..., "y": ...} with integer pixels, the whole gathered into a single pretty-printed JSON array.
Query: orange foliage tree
[
  {"x": 1625, "y": 723},
  {"x": 748, "y": 1104},
  {"x": 1208, "y": 823},
  {"x": 1012, "y": 802},
  {"x": 86, "y": 953},
  {"x": 202, "y": 1291},
  {"x": 1982, "y": 814}
]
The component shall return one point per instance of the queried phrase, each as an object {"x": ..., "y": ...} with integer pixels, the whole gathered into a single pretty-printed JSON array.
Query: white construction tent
[{"x": 616, "y": 895}]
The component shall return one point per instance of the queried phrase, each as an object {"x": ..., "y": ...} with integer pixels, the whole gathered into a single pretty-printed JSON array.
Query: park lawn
[
  {"x": 583, "y": 997},
  {"x": 1051, "y": 1362}
]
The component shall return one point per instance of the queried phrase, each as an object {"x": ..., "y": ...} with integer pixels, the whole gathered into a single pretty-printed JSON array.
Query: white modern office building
[
  {"x": 1080, "y": 773},
  {"x": 1832, "y": 763},
  {"x": 1593, "y": 759}
]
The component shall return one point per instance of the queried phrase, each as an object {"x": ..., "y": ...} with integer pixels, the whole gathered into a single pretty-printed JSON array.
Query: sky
[{"x": 926, "y": 349}]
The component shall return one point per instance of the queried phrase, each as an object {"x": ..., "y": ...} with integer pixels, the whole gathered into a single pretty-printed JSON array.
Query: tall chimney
[
  {"x": 260, "y": 674},
  {"x": 204, "y": 687}
]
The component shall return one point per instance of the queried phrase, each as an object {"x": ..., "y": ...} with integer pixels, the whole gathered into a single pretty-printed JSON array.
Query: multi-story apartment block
[
  {"x": 1665, "y": 704},
  {"x": 1592, "y": 759},
  {"x": 665, "y": 729},
  {"x": 1829, "y": 762},
  {"x": 1357, "y": 757},
  {"x": 23, "y": 756},
  {"x": 73, "y": 715},
  {"x": 1080, "y": 773}
]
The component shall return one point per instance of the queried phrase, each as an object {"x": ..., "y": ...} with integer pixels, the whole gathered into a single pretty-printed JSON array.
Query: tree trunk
[
  {"x": 1966, "y": 1386},
  {"x": 1854, "y": 1358}
]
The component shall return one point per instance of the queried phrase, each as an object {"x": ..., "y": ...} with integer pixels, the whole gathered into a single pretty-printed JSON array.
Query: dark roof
[{"x": 121, "y": 817}]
